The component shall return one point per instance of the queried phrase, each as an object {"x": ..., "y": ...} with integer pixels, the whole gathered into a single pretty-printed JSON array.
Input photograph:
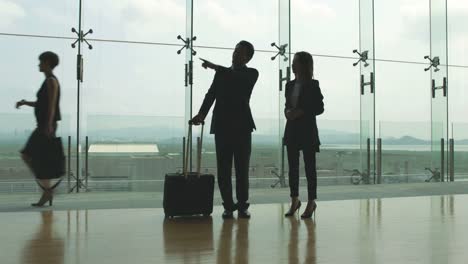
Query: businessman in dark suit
[{"x": 232, "y": 124}]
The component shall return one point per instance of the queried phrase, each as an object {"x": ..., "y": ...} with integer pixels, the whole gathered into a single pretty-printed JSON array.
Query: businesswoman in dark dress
[
  {"x": 304, "y": 101},
  {"x": 47, "y": 113}
]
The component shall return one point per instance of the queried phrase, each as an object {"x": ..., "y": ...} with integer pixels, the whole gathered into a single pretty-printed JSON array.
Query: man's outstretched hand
[
  {"x": 208, "y": 64},
  {"x": 198, "y": 119}
]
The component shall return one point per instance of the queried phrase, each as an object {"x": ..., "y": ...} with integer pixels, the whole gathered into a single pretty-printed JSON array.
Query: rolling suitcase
[{"x": 189, "y": 193}]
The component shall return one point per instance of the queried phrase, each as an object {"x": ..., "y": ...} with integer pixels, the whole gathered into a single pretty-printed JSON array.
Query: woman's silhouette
[
  {"x": 304, "y": 101},
  {"x": 47, "y": 113}
]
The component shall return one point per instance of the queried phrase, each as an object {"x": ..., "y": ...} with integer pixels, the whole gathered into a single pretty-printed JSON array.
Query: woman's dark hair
[
  {"x": 249, "y": 47},
  {"x": 51, "y": 58},
  {"x": 307, "y": 63}
]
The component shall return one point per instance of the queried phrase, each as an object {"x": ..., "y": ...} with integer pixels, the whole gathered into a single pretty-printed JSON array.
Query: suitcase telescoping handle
[{"x": 199, "y": 148}]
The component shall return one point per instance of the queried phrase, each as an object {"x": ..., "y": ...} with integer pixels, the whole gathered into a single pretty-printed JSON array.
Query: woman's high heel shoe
[
  {"x": 307, "y": 213},
  {"x": 293, "y": 210},
  {"x": 46, "y": 197}
]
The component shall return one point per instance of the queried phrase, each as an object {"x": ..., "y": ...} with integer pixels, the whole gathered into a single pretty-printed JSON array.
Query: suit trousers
[
  {"x": 235, "y": 147},
  {"x": 310, "y": 170}
]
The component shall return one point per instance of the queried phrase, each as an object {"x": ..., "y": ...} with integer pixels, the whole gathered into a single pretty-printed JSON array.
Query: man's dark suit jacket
[
  {"x": 232, "y": 90},
  {"x": 303, "y": 132}
]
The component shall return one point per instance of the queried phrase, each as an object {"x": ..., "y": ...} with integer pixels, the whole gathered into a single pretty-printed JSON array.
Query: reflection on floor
[
  {"x": 430, "y": 229},
  {"x": 19, "y": 202}
]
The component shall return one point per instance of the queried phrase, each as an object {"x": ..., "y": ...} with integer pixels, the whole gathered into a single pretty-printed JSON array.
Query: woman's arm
[
  {"x": 289, "y": 112},
  {"x": 52, "y": 93},
  {"x": 24, "y": 102},
  {"x": 312, "y": 103}
]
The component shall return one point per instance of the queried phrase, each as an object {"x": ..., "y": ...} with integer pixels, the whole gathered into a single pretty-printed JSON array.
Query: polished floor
[{"x": 432, "y": 229}]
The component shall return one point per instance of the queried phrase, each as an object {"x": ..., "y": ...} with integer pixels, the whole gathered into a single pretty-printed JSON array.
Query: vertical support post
[
  {"x": 86, "y": 163},
  {"x": 369, "y": 161},
  {"x": 78, "y": 86},
  {"x": 444, "y": 86},
  {"x": 379, "y": 160},
  {"x": 452, "y": 160},
  {"x": 362, "y": 84},
  {"x": 186, "y": 75},
  {"x": 69, "y": 164},
  {"x": 442, "y": 159},
  {"x": 280, "y": 80}
]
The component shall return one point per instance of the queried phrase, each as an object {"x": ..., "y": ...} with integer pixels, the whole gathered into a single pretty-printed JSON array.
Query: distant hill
[
  {"x": 167, "y": 130},
  {"x": 406, "y": 140},
  {"x": 461, "y": 142}
]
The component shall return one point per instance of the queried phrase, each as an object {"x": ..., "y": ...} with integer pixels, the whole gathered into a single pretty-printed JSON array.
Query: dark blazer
[
  {"x": 231, "y": 89},
  {"x": 303, "y": 131}
]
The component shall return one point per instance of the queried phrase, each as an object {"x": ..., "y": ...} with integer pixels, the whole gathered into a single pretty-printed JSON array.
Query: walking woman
[
  {"x": 47, "y": 112},
  {"x": 304, "y": 101}
]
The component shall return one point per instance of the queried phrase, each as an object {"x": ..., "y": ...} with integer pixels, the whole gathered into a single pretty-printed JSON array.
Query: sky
[{"x": 147, "y": 80}]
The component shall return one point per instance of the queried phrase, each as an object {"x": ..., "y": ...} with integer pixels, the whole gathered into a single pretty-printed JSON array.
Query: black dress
[{"x": 38, "y": 142}]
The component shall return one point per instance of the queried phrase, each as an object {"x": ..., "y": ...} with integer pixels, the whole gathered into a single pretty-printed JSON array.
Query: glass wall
[
  {"x": 459, "y": 124},
  {"x": 329, "y": 30},
  {"x": 403, "y": 121},
  {"x": 133, "y": 94},
  {"x": 458, "y": 87},
  {"x": 133, "y": 99},
  {"x": 402, "y": 30},
  {"x": 325, "y": 27},
  {"x": 457, "y": 34}
]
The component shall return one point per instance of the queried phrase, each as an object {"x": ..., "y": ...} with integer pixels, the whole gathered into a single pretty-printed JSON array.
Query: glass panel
[
  {"x": 23, "y": 82},
  {"x": 403, "y": 30},
  {"x": 316, "y": 24},
  {"x": 286, "y": 75},
  {"x": 459, "y": 127},
  {"x": 458, "y": 94},
  {"x": 405, "y": 127},
  {"x": 460, "y": 135},
  {"x": 439, "y": 81},
  {"x": 406, "y": 152},
  {"x": 133, "y": 112},
  {"x": 135, "y": 20},
  {"x": 439, "y": 133},
  {"x": 367, "y": 142},
  {"x": 223, "y": 23},
  {"x": 338, "y": 162},
  {"x": 48, "y": 17},
  {"x": 338, "y": 127},
  {"x": 457, "y": 34}
]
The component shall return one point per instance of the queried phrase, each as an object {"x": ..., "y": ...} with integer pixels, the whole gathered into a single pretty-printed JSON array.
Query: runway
[{"x": 431, "y": 229}]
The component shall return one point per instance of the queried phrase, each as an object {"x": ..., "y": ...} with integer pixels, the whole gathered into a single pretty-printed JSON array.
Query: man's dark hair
[
  {"x": 248, "y": 47},
  {"x": 50, "y": 58}
]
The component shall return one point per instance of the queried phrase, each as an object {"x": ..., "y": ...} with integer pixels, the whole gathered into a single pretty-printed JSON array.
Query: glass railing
[
  {"x": 406, "y": 152},
  {"x": 136, "y": 157},
  {"x": 460, "y": 136}
]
